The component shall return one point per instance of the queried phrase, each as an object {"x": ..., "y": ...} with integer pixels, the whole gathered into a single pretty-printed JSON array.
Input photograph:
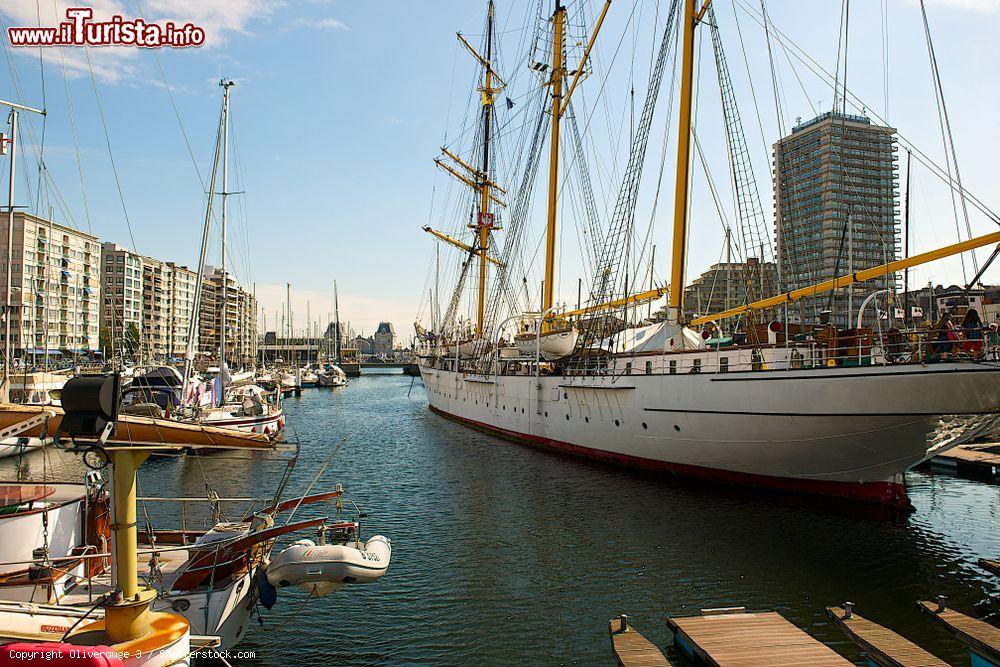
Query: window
[
  {"x": 628, "y": 368},
  {"x": 649, "y": 368},
  {"x": 696, "y": 368},
  {"x": 724, "y": 365},
  {"x": 673, "y": 366}
]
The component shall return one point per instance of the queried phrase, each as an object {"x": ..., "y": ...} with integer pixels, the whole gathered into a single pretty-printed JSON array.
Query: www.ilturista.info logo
[{"x": 81, "y": 30}]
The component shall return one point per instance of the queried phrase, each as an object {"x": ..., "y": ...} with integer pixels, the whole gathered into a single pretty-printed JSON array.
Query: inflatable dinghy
[{"x": 320, "y": 569}]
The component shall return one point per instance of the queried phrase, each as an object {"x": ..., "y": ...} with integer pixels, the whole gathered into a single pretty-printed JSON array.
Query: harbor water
[{"x": 504, "y": 554}]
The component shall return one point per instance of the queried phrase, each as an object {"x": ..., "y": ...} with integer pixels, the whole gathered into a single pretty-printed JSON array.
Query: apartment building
[{"x": 55, "y": 274}]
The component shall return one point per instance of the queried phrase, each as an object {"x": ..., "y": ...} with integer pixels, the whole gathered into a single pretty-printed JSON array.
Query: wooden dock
[
  {"x": 736, "y": 638},
  {"x": 982, "y": 638},
  {"x": 631, "y": 648},
  {"x": 883, "y": 646},
  {"x": 980, "y": 460},
  {"x": 991, "y": 566}
]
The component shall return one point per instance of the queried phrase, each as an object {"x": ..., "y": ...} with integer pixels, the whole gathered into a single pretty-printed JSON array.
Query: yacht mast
[
  {"x": 226, "y": 85},
  {"x": 11, "y": 145},
  {"x": 336, "y": 325},
  {"x": 200, "y": 278},
  {"x": 691, "y": 18}
]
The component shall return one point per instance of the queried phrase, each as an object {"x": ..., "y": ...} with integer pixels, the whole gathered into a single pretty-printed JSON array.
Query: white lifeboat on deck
[{"x": 322, "y": 568}]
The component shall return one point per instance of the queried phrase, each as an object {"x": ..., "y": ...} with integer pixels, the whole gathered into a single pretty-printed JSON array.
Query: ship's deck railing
[{"x": 843, "y": 349}]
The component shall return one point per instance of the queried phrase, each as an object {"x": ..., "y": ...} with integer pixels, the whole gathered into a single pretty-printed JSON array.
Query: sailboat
[
  {"x": 242, "y": 406},
  {"x": 72, "y": 572},
  {"x": 813, "y": 416},
  {"x": 332, "y": 375}
]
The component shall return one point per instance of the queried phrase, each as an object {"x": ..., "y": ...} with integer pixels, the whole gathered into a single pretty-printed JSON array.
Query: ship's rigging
[{"x": 611, "y": 254}]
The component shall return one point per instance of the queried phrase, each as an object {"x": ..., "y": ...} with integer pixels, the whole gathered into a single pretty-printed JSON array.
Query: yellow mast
[
  {"x": 691, "y": 18},
  {"x": 485, "y": 221},
  {"x": 558, "y": 73},
  {"x": 559, "y": 106}
]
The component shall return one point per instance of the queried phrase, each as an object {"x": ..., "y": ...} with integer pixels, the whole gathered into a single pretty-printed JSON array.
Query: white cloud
[
  {"x": 217, "y": 17},
  {"x": 332, "y": 24},
  {"x": 320, "y": 24}
]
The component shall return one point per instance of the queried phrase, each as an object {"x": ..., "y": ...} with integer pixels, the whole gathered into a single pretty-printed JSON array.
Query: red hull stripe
[{"x": 882, "y": 493}]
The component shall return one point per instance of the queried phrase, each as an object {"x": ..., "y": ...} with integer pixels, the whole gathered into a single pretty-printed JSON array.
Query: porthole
[
  {"x": 567, "y": 417},
  {"x": 644, "y": 426},
  {"x": 617, "y": 423},
  {"x": 677, "y": 428},
  {"x": 586, "y": 419},
  {"x": 546, "y": 413},
  {"x": 565, "y": 395}
]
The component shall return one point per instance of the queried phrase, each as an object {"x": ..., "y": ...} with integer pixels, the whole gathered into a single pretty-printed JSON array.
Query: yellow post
[
  {"x": 676, "y": 305},
  {"x": 556, "y": 82},
  {"x": 128, "y": 619}
]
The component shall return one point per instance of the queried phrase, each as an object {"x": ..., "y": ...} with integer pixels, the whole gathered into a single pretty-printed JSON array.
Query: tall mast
[
  {"x": 485, "y": 223},
  {"x": 676, "y": 306},
  {"x": 336, "y": 325},
  {"x": 11, "y": 145},
  {"x": 288, "y": 320},
  {"x": 226, "y": 85},
  {"x": 906, "y": 243},
  {"x": 8, "y": 348},
  {"x": 200, "y": 278},
  {"x": 558, "y": 74}
]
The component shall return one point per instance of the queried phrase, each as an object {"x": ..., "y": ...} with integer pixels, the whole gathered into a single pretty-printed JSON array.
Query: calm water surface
[{"x": 503, "y": 554}]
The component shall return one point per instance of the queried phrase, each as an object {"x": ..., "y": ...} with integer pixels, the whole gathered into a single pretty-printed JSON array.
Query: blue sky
[{"x": 340, "y": 107}]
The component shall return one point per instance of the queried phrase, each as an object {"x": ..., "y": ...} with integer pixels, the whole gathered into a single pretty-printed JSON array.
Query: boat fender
[{"x": 267, "y": 593}]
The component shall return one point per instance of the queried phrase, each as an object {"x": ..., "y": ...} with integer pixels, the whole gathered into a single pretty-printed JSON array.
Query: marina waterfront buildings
[
  {"x": 728, "y": 285},
  {"x": 147, "y": 306},
  {"x": 240, "y": 319},
  {"x": 384, "y": 340},
  {"x": 55, "y": 274},
  {"x": 121, "y": 299},
  {"x": 835, "y": 186}
]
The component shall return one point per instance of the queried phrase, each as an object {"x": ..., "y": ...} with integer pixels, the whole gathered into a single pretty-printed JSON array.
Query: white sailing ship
[{"x": 807, "y": 413}]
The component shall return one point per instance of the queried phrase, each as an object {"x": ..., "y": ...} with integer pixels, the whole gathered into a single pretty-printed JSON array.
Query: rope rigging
[{"x": 610, "y": 273}]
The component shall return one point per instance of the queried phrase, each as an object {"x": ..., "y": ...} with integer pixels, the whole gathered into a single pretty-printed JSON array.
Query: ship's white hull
[{"x": 848, "y": 432}]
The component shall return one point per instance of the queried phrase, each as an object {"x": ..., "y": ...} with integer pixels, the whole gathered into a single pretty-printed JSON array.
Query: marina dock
[
  {"x": 976, "y": 460},
  {"x": 737, "y": 638},
  {"x": 982, "y": 639},
  {"x": 631, "y": 649},
  {"x": 882, "y": 646}
]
